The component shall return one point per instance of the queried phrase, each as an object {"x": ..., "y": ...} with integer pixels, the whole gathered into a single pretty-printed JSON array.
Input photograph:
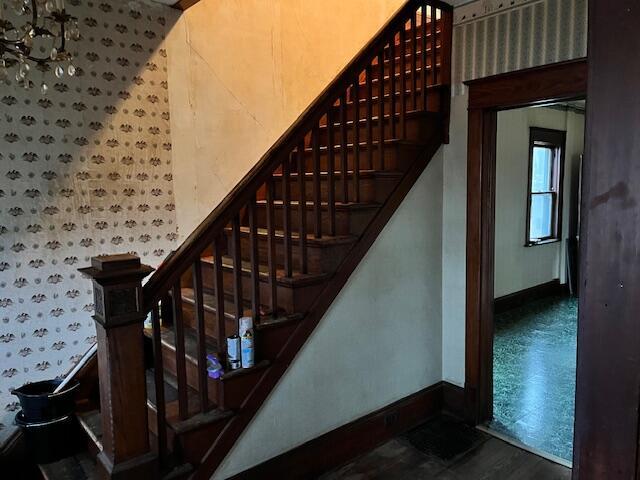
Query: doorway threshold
[{"x": 516, "y": 443}]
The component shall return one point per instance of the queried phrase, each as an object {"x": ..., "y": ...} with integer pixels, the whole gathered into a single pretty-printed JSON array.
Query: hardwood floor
[{"x": 446, "y": 449}]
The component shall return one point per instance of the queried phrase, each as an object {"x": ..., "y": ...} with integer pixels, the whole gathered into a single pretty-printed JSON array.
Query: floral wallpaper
[{"x": 84, "y": 170}]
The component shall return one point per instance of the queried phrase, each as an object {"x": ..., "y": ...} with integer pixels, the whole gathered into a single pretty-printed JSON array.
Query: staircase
[{"x": 279, "y": 248}]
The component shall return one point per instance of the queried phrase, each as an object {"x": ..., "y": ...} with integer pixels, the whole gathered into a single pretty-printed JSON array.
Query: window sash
[{"x": 554, "y": 141}]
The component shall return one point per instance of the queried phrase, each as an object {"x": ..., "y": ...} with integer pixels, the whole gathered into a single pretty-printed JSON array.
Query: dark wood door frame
[{"x": 487, "y": 96}]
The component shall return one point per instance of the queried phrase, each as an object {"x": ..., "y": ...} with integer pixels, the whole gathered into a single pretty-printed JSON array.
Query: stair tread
[
  {"x": 364, "y": 173},
  {"x": 77, "y": 467},
  {"x": 375, "y": 98},
  {"x": 191, "y": 351},
  {"x": 338, "y": 206},
  {"x": 91, "y": 423},
  {"x": 263, "y": 270},
  {"x": 375, "y": 119},
  {"x": 364, "y": 145},
  {"x": 210, "y": 304},
  {"x": 295, "y": 236}
]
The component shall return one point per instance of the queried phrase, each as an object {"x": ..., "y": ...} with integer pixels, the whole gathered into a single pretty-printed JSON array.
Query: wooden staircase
[{"x": 280, "y": 247}]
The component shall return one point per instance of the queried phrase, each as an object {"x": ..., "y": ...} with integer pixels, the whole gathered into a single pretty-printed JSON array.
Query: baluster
[
  {"x": 434, "y": 46},
  {"x": 414, "y": 56},
  {"x": 423, "y": 60},
  {"x": 219, "y": 290},
  {"x": 317, "y": 193},
  {"x": 181, "y": 366},
  {"x": 331, "y": 187},
  {"x": 237, "y": 267},
  {"x": 356, "y": 138},
  {"x": 286, "y": 219},
  {"x": 344, "y": 152},
  {"x": 254, "y": 252},
  {"x": 381, "y": 110},
  {"x": 369, "y": 116},
  {"x": 392, "y": 87},
  {"x": 158, "y": 375},
  {"x": 302, "y": 214},
  {"x": 403, "y": 81},
  {"x": 271, "y": 247},
  {"x": 201, "y": 341}
]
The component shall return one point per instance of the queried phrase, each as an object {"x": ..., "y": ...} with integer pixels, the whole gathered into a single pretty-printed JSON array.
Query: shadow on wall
[{"x": 84, "y": 170}]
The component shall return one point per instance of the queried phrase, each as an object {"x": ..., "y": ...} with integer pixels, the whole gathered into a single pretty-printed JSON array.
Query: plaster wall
[
  {"x": 518, "y": 267},
  {"x": 241, "y": 73}
]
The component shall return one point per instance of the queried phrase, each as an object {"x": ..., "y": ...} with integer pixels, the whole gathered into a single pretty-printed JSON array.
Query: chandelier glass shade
[{"x": 35, "y": 34}]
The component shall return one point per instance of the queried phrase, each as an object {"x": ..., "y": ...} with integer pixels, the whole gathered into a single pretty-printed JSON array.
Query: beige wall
[
  {"x": 241, "y": 71},
  {"x": 518, "y": 267}
]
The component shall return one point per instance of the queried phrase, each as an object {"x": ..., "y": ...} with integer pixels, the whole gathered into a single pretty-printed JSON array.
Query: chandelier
[{"x": 34, "y": 33}]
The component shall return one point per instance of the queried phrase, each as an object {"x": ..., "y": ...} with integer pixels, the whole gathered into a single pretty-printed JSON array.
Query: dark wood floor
[{"x": 445, "y": 449}]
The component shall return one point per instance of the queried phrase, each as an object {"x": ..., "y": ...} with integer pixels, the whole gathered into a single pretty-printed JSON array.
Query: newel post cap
[{"x": 117, "y": 288}]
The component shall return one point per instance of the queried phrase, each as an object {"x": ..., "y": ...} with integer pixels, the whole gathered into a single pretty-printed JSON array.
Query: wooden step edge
[
  {"x": 387, "y": 96},
  {"x": 409, "y": 54},
  {"x": 410, "y": 115},
  {"x": 397, "y": 75},
  {"x": 200, "y": 420},
  {"x": 282, "y": 318},
  {"x": 322, "y": 242},
  {"x": 297, "y": 279},
  {"x": 179, "y": 472},
  {"x": 190, "y": 335},
  {"x": 80, "y": 466},
  {"x": 91, "y": 423},
  {"x": 389, "y": 142},
  {"x": 325, "y": 205},
  {"x": 261, "y": 365},
  {"x": 364, "y": 173}
]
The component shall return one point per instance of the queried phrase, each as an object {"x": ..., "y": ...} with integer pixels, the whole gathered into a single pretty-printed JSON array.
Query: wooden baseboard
[
  {"x": 453, "y": 399},
  {"x": 513, "y": 300},
  {"x": 360, "y": 436}
]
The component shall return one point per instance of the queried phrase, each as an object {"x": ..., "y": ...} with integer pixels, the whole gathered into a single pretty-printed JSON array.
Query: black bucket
[
  {"x": 39, "y": 402},
  {"x": 51, "y": 440}
]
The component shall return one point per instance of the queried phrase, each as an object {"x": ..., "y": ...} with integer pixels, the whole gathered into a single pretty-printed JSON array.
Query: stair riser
[
  {"x": 417, "y": 129},
  {"x": 396, "y": 157},
  {"x": 433, "y": 105},
  {"x": 375, "y": 70},
  {"x": 210, "y": 321},
  {"x": 368, "y": 187},
  {"x": 409, "y": 41},
  {"x": 291, "y": 299},
  {"x": 348, "y": 222},
  {"x": 194, "y": 444},
  {"x": 323, "y": 259},
  {"x": 270, "y": 341},
  {"x": 234, "y": 389}
]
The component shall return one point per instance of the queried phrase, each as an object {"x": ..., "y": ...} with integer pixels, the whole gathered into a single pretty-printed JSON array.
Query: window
[{"x": 544, "y": 202}]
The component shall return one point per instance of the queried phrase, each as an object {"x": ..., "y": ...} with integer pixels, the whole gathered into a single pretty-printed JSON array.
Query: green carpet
[{"x": 534, "y": 372}]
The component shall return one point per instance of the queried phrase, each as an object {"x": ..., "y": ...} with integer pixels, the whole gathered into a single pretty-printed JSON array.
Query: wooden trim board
[
  {"x": 360, "y": 436},
  {"x": 516, "y": 299},
  {"x": 561, "y": 81}
]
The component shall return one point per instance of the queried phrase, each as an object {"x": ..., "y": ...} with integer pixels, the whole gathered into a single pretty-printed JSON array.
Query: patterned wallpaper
[
  {"x": 537, "y": 33},
  {"x": 84, "y": 170}
]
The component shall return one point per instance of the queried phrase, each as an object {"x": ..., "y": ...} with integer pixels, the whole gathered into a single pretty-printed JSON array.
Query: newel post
[{"x": 119, "y": 316}]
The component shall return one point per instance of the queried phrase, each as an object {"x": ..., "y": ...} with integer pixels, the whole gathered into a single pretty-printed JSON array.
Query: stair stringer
[{"x": 240, "y": 445}]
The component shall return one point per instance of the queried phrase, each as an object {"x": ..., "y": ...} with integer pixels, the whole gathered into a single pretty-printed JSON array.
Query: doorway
[
  {"x": 487, "y": 97},
  {"x": 539, "y": 151}
]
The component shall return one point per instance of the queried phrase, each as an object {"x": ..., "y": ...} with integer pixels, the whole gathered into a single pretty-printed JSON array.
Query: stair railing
[{"x": 420, "y": 34}]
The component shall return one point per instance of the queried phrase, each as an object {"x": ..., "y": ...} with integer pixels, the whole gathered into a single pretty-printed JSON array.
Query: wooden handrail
[{"x": 202, "y": 237}]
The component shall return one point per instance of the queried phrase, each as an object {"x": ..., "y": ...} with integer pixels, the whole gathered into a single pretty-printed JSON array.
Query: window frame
[{"x": 555, "y": 139}]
